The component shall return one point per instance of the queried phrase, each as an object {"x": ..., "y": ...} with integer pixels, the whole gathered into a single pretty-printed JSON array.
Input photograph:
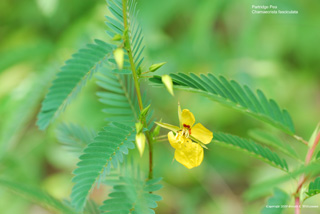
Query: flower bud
[
  {"x": 145, "y": 111},
  {"x": 167, "y": 81},
  {"x": 155, "y": 67},
  {"x": 119, "y": 57},
  {"x": 141, "y": 142},
  {"x": 117, "y": 37}
]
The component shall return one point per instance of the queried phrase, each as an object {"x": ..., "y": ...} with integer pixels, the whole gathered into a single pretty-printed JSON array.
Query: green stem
[
  {"x": 128, "y": 49},
  {"x": 136, "y": 84},
  {"x": 150, "y": 155}
]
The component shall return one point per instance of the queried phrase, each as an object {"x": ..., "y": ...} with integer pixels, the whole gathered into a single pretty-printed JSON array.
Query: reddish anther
[{"x": 186, "y": 126}]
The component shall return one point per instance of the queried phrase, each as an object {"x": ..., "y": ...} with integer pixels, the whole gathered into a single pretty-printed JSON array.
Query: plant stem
[
  {"x": 303, "y": 178},
  {"x": 128, "y": 49},
  {"x": 297, "y": 208},
  {"x": 150, "y": 156},
  {"x": 137, "y": 84}
]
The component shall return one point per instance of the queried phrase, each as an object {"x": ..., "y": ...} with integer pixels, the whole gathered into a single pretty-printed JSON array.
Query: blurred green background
[{"x": 279, "y": 54}]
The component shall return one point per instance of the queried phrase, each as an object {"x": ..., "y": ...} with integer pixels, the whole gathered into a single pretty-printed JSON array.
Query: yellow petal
[
  {"x": 201, "y": 133},
  {"x": 173, "y": 141},
  {"x": 190, "y": 154},
  {"x": 187, "y": 118}
]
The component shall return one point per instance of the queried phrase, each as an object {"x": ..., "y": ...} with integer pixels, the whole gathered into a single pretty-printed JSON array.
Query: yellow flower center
[
  {"x": 186, "y": 131},
  {"x": 181, "y": 138}
]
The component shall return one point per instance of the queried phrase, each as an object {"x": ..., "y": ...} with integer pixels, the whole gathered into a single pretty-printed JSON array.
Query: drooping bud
[
  {"x": 141, "y": 142},
  {"x": 119, "y": 57},
  {"x": 167, "y": 81}
]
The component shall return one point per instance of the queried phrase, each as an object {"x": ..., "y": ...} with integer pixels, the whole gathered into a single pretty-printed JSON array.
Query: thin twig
[{"x": 300, "y": 139}]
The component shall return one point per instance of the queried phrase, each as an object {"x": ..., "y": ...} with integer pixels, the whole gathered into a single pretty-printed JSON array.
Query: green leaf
[
  {"x": 318, "y": 155},
  {"x": 72, "y": 78},
  {"x": 232, "y": 94},
  {"x": 119, "y": 97},
  {"x": 115, "y": 24},
  {"x": 250, "y": 147},
  {"x": 107, "y": 148},
  {"x": 263, "y": 188},
  {"x": 74, "y": 137},
  {"x": 133, "y": 195},
  {"x": 274, "y": 203},
  {"x": 31, "y": 51},
  {"x": 273, "y": 141},
  {"x": 91, "y": 208},
  {"x": 14, "y": 124},
  {"x": 37, "y": 195},
  {"x": 314, "y": 188}
]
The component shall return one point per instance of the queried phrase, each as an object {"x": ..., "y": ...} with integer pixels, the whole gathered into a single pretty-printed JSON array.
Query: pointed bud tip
[
  {"x": 145, "y": 111},
  {"x": 155, "y": 67}
]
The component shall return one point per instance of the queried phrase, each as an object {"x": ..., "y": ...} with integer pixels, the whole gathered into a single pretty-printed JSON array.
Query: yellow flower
[
  {"x": 187, "y": 139},
  {"x": 187, "y": 153}
]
